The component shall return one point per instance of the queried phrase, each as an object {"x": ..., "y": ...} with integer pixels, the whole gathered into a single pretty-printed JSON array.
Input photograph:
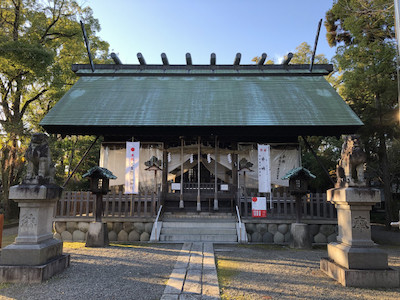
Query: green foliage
[
  {"x": 328, "y": 151},
  {"x": 303, "y": 55},
  {"x": 66, "y": 154},
  {"x": 365, "y": 59}
]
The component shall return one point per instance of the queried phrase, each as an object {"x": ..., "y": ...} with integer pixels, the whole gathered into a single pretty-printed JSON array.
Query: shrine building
[{"x": 198, "y": 127}]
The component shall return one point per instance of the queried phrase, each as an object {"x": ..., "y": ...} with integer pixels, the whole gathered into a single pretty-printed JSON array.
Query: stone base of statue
[
  {"x": 300, "y": 237},
  {"x": 35, "y": 255},
  {"x": 97, "y": 235},
  {"x": 354, "y": 260}
]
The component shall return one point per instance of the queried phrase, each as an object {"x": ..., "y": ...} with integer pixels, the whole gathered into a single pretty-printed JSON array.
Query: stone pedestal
[
  {"x": 34, "y": 247},
  {"x": 300, "y": 236},
  {"x": 97, "y": 235},
  {"x": 355, "y": 260}
]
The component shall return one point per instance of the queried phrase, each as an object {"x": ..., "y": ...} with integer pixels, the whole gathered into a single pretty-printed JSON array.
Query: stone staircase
[{"x": 198, "y": 227}]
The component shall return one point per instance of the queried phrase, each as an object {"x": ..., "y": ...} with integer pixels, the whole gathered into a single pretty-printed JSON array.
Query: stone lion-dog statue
[
  {"x": 40, "y": 169},
  {"x": 350, "y": 169}
]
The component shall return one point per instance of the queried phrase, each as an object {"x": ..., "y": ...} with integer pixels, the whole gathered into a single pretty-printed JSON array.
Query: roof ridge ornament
[
  {"x": 115, "y": 58},
  {"x": 288, "y": 59},
  {"x": 141, "y": 59},
  {"x": 213, "y": 59},
  {"x": 188, "y": 59},
  {"x": 164, "y": 59},
  {"x": 262, "y": 59}
]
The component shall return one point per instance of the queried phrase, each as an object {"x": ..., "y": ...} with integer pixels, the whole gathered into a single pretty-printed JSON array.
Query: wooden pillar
[
  {"x": 235, "y": 181},
  {"x": 164, "y": 176},
  {"x": 215, "y": 175},
  {"x": 198, "y": 173},
  {"x": 181, "y": 204},
  {"x": 99, "y": 207}
]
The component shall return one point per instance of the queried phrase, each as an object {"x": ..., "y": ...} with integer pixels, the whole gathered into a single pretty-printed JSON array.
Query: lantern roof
[
  {"x": 299, "y": 172},
  {"x": 98, "y": 172}
]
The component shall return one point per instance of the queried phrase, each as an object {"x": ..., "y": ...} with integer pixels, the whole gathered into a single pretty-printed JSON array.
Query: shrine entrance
[{"x": 200, "y": 177}]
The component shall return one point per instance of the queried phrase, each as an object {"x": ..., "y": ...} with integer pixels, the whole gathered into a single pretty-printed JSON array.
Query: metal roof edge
[{"x": 190, "y": 70}]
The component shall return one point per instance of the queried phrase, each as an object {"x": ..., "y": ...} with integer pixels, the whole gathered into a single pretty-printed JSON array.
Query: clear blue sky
[{"x": 201, "y": 27}]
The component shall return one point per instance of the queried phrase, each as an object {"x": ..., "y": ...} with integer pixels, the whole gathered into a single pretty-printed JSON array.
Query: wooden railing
[
  {"x": 81, "y": 204},
  {"x": 192, "y": 187},
  {"x": 314, "y": 206}
]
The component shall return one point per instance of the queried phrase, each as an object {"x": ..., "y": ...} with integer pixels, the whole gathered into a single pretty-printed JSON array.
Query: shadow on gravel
[{"x": 276, "y": 272}]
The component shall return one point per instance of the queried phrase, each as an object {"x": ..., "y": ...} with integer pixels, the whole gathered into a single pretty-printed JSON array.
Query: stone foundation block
[
  {"x": 387, "y": 278},
  {"x": 300, "y": 236},
  {"x": 97, "y": 235},
  {"x": 31, "y": 254},
  {"x": 358, "y": 258},
  {"x": 34, "y": 274}
]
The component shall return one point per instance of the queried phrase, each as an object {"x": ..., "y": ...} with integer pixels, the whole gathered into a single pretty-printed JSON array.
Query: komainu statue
[
  {"x": 350, "y": 169},
  {"x": 40, "y": 168}
]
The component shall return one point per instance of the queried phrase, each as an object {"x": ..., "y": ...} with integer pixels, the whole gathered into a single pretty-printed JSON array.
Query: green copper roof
[{"x": 207, "y": 100}]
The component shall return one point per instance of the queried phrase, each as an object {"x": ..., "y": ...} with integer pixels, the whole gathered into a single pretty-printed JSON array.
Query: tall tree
[
  {"x": 363, "y": 30},
  {"x": 38, "y": 42}
]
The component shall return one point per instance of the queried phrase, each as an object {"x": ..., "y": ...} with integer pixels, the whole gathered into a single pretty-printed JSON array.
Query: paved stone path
[{"x": 194, "y": 275}]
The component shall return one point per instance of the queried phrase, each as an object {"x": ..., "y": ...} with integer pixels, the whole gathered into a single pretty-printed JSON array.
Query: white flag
[
  {"x": 132, "y": 168},
  {"x": 264, "y": 174}
]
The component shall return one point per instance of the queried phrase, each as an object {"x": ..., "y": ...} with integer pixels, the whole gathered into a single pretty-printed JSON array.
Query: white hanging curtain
[
  {"x": 221, "y": 170},
  {"x": 282, "y": 161},
  {"x": 147, "y": 178},
  {"x": 112, "y": 157}
]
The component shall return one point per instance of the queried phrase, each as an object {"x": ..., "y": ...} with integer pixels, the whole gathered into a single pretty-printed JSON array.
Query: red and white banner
[
  {"x": 264, "y": 169},
  {"x": 132, "y": 168},
  {"x": 259, "y": 207}
]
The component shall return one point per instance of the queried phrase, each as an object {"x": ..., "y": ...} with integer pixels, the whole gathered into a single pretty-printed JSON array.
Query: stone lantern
[
  {"x": 99, "y": 185},
  {"x": 154, "y": 164},
  {"x": 299, "y": 179}
]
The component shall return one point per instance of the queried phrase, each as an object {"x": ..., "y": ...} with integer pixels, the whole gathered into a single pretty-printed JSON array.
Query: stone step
[
  {"x": 227, "y": 238},
  {"x": 202, "y": 224},
  {"x": 198, "y": 230},
  {"x": 187, "y": 215}
]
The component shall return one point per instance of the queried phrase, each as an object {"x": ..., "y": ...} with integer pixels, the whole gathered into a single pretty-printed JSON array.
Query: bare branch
[
  {"x": 56, "y": 18},
  {"x": 31, "y": 100}
]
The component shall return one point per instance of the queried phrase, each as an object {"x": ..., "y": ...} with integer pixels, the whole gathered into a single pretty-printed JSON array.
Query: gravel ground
[
  {"x": 123, "y": 272},
  {"x": 274, "y": 272}
]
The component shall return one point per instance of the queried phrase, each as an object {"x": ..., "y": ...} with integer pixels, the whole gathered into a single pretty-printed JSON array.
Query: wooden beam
[
  {"x": 315, "y": 45},
  {"x": 181, "y": 204},
  {"x": 198, "y": 173},
  {"x": 216, "y": 174}
]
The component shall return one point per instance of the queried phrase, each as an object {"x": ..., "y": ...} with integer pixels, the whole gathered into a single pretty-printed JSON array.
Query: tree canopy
[
  {"x": 39, "y": 40},
  {"x": 363, "y": 32}
]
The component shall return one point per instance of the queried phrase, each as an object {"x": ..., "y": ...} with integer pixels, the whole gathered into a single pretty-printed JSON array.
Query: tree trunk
[{"x": 387, "y": 191}]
